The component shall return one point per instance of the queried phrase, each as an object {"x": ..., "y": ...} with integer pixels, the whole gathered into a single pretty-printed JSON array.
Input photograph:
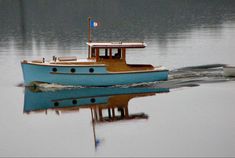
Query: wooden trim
[
  {"x": 110, "y": 53},
  {"x": 89, "y": 52},
  {"x": 124, "y": 53},
  {"x": 126, "y": 111},
  {"x": 97, "y": 52},
  {"x": 106, "y": 51},
  {"x": 113, "y": 111},
  {"x": 63, "y": 65}
]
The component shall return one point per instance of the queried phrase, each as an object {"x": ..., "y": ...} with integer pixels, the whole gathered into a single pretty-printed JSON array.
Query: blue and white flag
[{"x": 94, "y": 24}]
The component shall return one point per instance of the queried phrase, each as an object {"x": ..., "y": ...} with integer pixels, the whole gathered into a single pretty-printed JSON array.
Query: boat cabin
[
  {"x": 111, "y": 50},
  {"x": 113, "y": 54}
]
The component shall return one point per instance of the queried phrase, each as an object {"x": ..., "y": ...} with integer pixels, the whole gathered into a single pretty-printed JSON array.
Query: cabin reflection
[{"x": 117, "y": 109}]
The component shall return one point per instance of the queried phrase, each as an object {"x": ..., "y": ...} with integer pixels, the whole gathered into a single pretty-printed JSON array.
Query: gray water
[{"x": 196, "y": 118}]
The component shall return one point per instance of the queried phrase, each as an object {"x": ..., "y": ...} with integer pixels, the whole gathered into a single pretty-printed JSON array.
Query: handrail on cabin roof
[{"x": 117, "y": 44}]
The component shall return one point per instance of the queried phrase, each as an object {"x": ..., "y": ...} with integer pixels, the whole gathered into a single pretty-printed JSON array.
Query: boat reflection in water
[{"x": 106, "y": 104}]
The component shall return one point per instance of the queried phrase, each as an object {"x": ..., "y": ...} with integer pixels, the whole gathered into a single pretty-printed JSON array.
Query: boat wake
[
  {"x": 189, "y": 77},
  {"x": 194, "y": 76},
  {"x": 181, "y": 77}
]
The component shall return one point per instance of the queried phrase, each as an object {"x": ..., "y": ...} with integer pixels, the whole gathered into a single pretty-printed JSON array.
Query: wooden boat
[
  {"x": 229, "y": 71},
  {"x": 105, "y": 66}
]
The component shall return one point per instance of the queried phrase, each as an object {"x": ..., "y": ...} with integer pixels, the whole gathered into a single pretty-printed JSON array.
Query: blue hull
[{"x": 86, "y": 75}]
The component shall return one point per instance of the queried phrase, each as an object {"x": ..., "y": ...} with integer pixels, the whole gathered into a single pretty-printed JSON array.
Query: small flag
[{"x": 94, "y": 24}]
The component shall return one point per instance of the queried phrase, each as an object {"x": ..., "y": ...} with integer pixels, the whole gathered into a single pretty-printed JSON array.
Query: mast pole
[{"x": 89, "y": 35}]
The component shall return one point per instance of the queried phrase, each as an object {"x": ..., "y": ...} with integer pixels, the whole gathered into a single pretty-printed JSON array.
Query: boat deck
[{"x": 113, "y": 65}]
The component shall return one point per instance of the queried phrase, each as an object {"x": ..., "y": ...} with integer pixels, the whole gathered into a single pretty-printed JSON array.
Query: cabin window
[
  {"x": 106, "y": 113},
  {"x": 104, "y": 53},
  {"x": 121, "y": 111},
  {"x": 116, "y": 53},
  {"x": 108, "y": 53}
]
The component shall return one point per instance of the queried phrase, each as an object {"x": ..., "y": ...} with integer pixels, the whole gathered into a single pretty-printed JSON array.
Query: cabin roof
[{"x": 117, "y": 44}]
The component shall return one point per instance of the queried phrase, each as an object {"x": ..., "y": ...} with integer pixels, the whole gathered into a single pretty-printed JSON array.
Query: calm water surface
[{"x": 186, "y": 121}]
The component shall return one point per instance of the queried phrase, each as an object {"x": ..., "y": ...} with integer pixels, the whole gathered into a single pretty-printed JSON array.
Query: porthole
[
  {"x": 73, "y": 70},
  {"x": 92, "y": 100},
  {"x": 56, "y": 104},
  {"x": 74, "y": 102},
  {"x": 54, "y": 69},
  {"x": 91, "y": 70}
]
